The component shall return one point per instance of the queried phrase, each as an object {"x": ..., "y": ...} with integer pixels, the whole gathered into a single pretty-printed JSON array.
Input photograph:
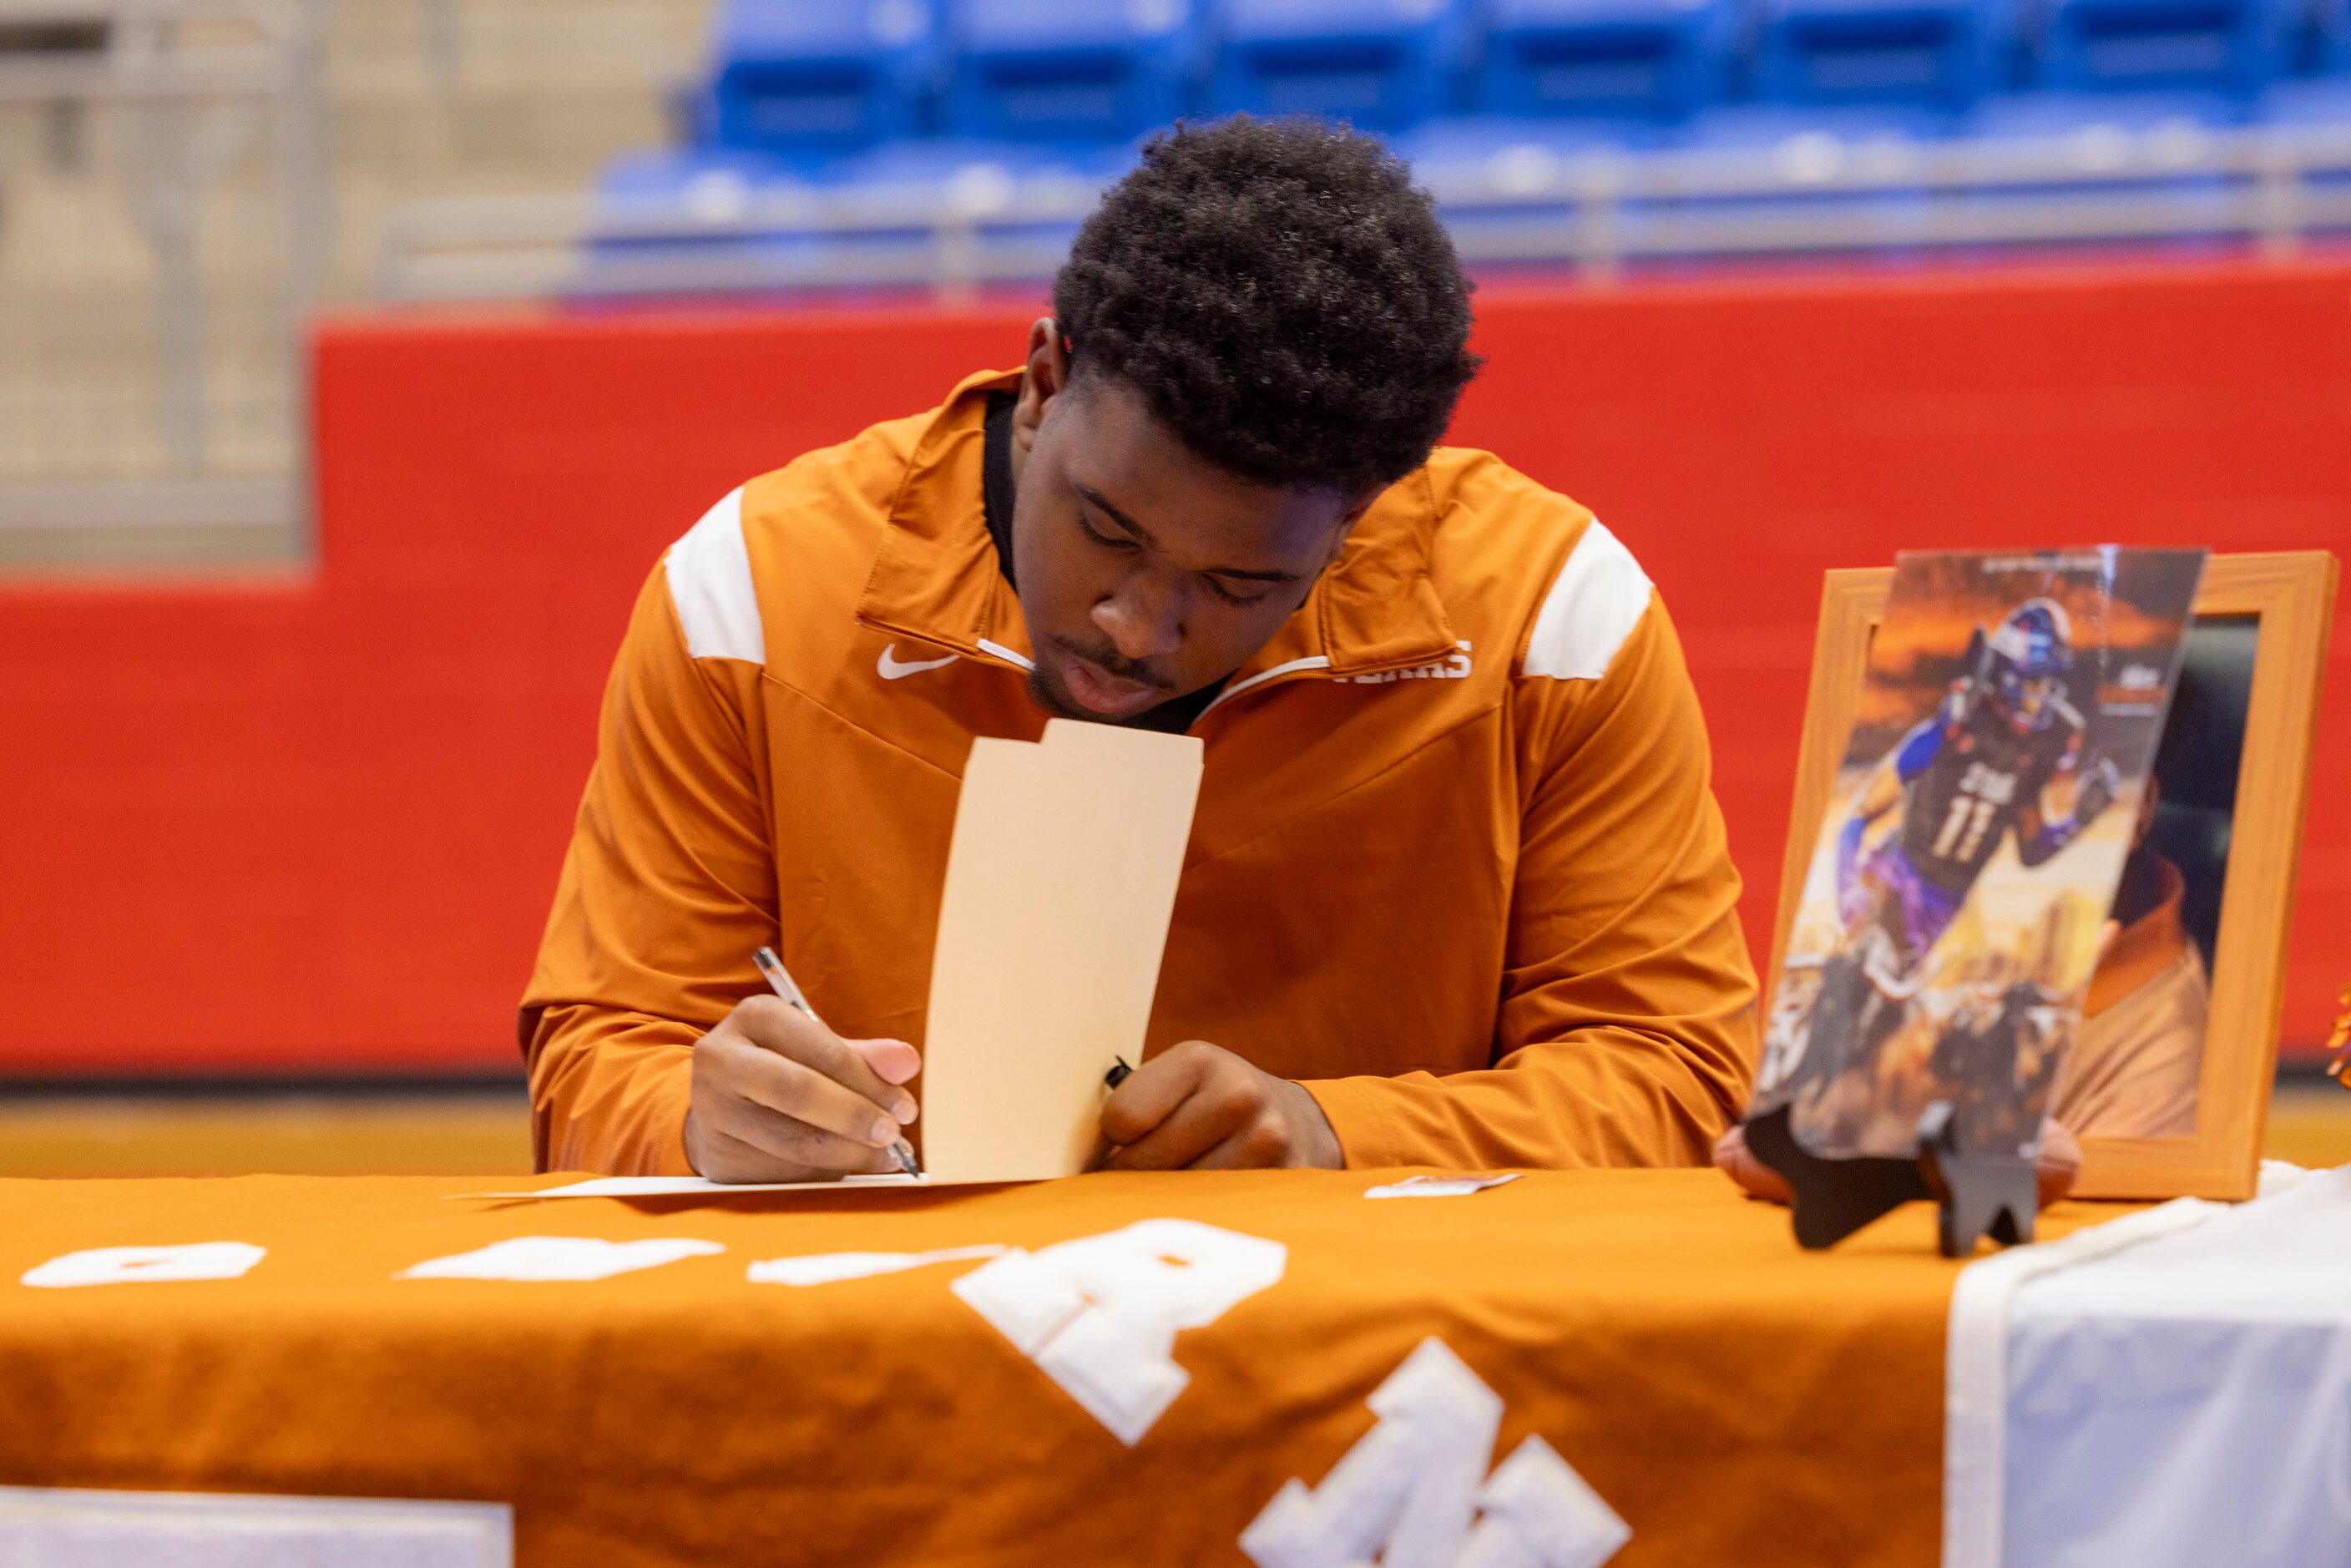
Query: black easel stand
[
  {"x": 1999, "y": 1193},
  {"x": 1836, "y": 1198}
]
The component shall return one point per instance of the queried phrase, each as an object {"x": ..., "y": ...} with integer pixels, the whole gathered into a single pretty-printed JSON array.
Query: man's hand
[
  {"x": 1198, "y": 1107},
  {"x": 779, "y": 1097}
]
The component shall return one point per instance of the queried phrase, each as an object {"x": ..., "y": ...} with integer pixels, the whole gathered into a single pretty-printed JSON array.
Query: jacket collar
[{"x": 935, "y": 578}]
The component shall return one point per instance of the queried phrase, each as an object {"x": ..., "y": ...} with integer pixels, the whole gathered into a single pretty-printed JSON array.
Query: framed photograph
[{"x": 2168, "y": 1085}]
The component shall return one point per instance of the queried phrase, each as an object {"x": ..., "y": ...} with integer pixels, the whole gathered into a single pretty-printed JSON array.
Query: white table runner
[{"x": 2170, "y": 1389}]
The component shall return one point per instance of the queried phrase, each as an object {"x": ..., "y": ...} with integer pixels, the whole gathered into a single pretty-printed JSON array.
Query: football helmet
[{"x": 2024, "y": 664}]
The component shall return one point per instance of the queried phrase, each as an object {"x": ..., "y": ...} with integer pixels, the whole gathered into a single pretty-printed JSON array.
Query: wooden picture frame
[{"x": 2291, "y": 595}]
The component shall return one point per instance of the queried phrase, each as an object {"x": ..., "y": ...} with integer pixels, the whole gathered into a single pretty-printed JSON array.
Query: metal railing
[
  {"x": 162, "y": 217},
  {"x": 1600, "y": 212}
]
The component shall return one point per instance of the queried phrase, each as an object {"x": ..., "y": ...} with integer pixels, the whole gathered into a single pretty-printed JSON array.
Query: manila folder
[{"x": 1061, "y": 879}]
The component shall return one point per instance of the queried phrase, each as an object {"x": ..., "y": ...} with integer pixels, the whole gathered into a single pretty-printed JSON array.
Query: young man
[{"x": 1456, "y": 892}]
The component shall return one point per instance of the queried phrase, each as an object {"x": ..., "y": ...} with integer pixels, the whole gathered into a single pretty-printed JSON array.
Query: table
[{"x": 1732, "y": 1399}]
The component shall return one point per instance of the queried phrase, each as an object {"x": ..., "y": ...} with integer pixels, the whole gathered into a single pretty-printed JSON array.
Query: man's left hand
[{"x": 1196, "y": 1106}]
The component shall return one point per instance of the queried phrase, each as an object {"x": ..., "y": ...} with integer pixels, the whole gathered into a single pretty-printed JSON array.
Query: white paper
[
  {"x": 696, "y": 1187},
  {"x": 560, "y": 1258},
  {"x": 829, "y": 1268},
  {"x": 43, "y": 1527},
  {"x": 146, "y": 1265},
  {"x": 1439, "y": 1186},
  {"x": 1061, "y": 879}
]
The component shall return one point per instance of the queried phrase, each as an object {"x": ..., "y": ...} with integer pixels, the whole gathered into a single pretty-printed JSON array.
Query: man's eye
[
  {"x": 1229, "y": 596},
  {"x": 1101, "y": 538}
]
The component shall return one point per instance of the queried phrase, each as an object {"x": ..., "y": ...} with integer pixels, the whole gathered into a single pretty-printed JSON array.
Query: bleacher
[{"x": 956, "y": 142}]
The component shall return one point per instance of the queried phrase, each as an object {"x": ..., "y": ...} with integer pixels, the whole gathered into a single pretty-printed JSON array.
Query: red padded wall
[{"x": 313, "y": 822}]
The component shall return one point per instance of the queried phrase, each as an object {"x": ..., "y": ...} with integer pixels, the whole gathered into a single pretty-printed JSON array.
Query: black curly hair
[{"x": 1280, "y": 296}]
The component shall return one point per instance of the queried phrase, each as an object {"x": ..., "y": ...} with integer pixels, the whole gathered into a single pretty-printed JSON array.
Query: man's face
[
  {"x": 1145, "y": 572},
  {"x": 2027, "y": 701}
]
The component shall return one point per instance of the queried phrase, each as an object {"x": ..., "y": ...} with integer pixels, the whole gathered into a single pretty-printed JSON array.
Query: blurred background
[{"x": 358, "y": 357}]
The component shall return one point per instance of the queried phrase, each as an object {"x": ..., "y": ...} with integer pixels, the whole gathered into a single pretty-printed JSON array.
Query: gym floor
[
  {"x": 485, "y": 1131},
  {"x": 464, "y": 1132}
]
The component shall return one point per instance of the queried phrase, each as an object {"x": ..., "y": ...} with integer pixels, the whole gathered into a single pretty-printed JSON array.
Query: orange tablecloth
[{"x": 1733, "y": 1399}]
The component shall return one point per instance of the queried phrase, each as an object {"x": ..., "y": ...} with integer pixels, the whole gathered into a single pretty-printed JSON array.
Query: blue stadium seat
[
  {"x": 2315, "y": 110},
  {"x": 693, "y": 216},
  {"x": 2102, "y": 46},
  {"x": 1383, "y": 65},
  {"x": 1073, "y": 70},
  {"x": 2098, "y": 114},
  {"x": 812, "y": 78},
  {"x": 2334, "y": 29},
  {"x": 1938, "y": 53},
  {"x": 1640, "y": 60}
]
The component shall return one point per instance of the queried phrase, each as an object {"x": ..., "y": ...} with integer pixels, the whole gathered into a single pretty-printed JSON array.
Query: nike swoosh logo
[{"x": 894, "y": 669}]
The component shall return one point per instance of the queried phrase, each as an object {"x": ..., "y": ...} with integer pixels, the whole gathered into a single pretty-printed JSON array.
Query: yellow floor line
[{"x": 490, "y": 1134}]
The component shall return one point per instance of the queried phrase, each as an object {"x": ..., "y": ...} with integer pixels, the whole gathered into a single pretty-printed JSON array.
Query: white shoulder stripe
[
  {"x": 1598, "y": 597},
  {"x": 710, "y": 582}
]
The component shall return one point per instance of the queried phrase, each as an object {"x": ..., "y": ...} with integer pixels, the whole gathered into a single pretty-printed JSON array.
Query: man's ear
[
  {"x": 1044, "y": 378},
  {"x": 1347, "y": 521}
]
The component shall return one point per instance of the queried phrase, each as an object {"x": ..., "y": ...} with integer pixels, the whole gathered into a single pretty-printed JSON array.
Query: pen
[
  {"x": 1103, "y": 1148},
  {"x": 780, "y": 981}
]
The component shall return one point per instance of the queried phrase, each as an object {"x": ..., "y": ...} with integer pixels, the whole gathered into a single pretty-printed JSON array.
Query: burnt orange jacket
[{"x": 1457, "y": 866}]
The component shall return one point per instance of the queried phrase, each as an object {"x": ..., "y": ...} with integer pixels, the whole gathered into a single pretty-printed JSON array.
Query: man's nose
[{"x": 1144, "y": 617}]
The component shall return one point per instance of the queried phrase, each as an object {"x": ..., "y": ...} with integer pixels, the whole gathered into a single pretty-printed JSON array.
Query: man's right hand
[{"x": 779, "y": 1097}]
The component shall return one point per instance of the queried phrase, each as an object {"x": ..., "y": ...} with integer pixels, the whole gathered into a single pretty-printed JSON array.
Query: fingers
[
  {"x": 1255, "y": 1145},
  {"x": 892, "y": 1061},
  {"x": 1201, "y": 1123},
  {"x": 790, "y": 1033},
  {"x": 1178, "y": 1106},
  {"x": 781, "y": 1090},
  {"x": 780, "y": 1153},
  {"x": 787, "y": 1089},
  {"x": 744, "y": 1133},
  {"x": 1756, "y": 1179},
  {"x": 716, "y": 1157},
  {"x": 777, "y": 1096},
  {"x": 1156, "y": 1089}
]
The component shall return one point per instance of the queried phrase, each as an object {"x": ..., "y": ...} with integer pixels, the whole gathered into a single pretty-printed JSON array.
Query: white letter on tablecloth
[
  {"x": 542, "y": 1257},
  {"x": 1539, "y": 1513},
  {"x": 832, "y": 1268},
  {"x": 137, "y": 1265},
  {"x": 1099, "y": 1314},
  {"x": 1409, "y": 1485},
  {"x": 1404, "y": 1494}
]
